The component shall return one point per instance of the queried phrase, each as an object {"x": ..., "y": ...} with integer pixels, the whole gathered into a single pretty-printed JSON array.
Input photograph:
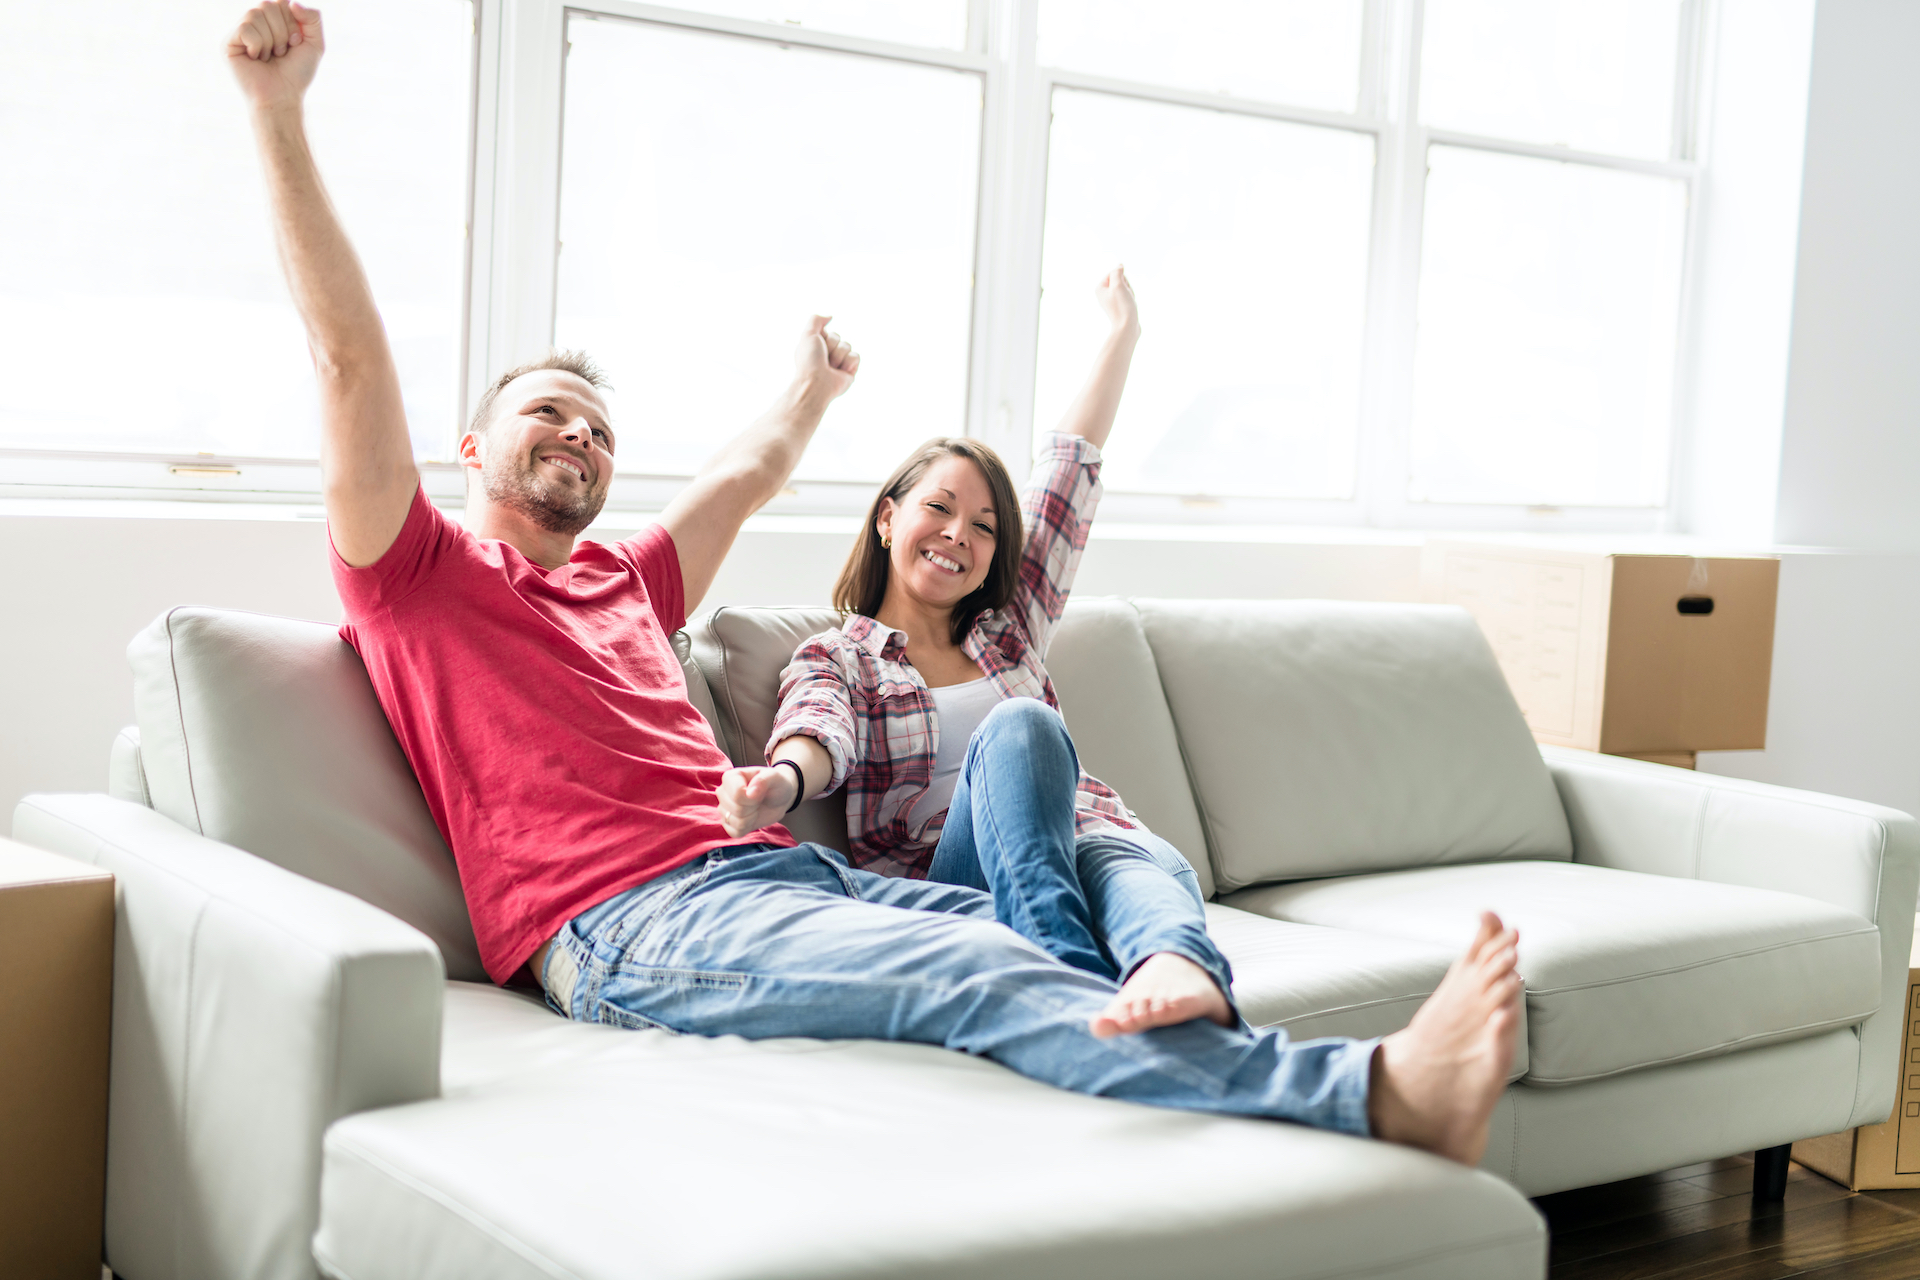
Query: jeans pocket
[
  {"x": 613, "y": 938},
  {"x": 836, "y": 862},
  {"x": 646, "y": 996},
  {"x": 613, "y": 1015}
]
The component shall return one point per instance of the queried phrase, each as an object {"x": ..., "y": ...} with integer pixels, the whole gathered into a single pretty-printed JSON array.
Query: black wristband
[{"x": 799, "y": 782}]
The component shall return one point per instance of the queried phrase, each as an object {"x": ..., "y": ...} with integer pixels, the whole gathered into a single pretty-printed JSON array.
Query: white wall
[
  {"x": 1845, "y": 699},
  {"x": 1846, "y": 692},
  {"x": 1850, "y": 465},
  {"x": 1740, "y": 316},
  {"x": 78, "y": 586}
]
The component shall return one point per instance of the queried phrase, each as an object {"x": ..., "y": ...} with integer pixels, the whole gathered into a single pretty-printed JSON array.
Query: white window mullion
[
  {"x": 522, "y": 240},
  {"x": 1393, "y": 284},
  {"x": 483, "y": 211},
  {"x": 1013, "y": 214}
]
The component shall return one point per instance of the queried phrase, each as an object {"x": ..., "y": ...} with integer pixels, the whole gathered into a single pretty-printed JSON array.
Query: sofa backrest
[
  {"x": 264, "y": 733},
  {"x": 741, "y": 650},
  {"x": 1330, "y": 738},
  {"x": 1109, "y": 690},
  {"x": 1103, "y": 674}
]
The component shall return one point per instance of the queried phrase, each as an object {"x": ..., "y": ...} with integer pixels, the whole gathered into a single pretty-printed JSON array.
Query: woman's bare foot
[
  {"x": 1435, "y": 1084},
  {"x": 1165, "y": 989}
]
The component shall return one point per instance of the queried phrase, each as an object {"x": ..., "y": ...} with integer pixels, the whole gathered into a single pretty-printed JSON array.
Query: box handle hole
[{"x": 1696, "y": 604}]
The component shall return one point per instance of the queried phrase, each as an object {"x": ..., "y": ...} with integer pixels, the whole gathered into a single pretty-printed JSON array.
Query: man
[{"x": 532, "y": 684}]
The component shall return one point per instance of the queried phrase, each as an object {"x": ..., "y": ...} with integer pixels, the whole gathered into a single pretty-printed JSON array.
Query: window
[
  {"x": 148, "y": 299},
  {"x": 716, "y": 190},
  {"x": 1401, "y": 262},
  {"x": 1246, "y": 239}
]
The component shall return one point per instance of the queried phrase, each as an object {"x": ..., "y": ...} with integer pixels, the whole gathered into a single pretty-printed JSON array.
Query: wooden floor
[{"x": 1701, "y": 1221}]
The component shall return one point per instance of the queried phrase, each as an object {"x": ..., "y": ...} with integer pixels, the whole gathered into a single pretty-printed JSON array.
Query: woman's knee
[{"x": 1027, "y": 717}]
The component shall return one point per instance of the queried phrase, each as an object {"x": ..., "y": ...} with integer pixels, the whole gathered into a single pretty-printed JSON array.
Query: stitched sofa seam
[
  {"x": 1692, "y": 1055},
  {"x": 1700, "y": 781},
  {"x": 1699, "y": 964},
  {"x": 1879, "y": 892},
  {"x": 1351, "y": 1008},
  {"x": 180, "y": 713},
  {"x": 1221, "y": 883},
  {"x": 472, "y": 1218}
]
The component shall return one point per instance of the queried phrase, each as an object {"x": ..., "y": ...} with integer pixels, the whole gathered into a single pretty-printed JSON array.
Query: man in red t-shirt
[{"x": 531, "y": 682}]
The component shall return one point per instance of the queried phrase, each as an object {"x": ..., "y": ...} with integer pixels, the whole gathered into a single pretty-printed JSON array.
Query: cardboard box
[
  {"x": 56, "y": 1009},
  {"x": 1876, "y": 1157},
  {"x": 1654, "y": 656}
]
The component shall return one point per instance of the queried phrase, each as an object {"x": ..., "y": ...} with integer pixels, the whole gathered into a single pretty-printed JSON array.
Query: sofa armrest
[
  {"x": 251, "y": 1008},
  {"x": 1635, "y": 816}
]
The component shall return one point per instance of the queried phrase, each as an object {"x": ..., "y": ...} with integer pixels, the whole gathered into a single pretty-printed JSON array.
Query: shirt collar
[
  {"x": 883, "y": 642},
  {"x": 888, "y": 643}
]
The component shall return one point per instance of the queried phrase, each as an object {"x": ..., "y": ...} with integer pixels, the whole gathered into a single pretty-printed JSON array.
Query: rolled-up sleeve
[
  {"x": 1058, "y": 506},
  {"x": 815, "y": 703}
]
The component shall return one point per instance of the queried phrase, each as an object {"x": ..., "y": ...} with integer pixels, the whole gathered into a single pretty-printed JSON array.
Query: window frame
[{"x": 509, "y": 290}]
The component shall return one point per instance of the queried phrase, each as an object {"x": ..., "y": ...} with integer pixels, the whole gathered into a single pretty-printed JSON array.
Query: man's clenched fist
[
  {"x": 754, "y": 797},
  {"x": 275, "y": 51}
]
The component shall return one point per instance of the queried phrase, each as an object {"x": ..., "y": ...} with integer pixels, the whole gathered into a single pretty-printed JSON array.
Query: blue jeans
[
  {"x": 759, "y": 941},
  {"x": 1102, "y": 902}
]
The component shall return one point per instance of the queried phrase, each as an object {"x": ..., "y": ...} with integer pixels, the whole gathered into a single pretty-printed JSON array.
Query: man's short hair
[{"x": 577, "y": 363}]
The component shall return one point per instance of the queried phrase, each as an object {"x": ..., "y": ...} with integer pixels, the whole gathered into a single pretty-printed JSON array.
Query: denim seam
[{"x": 1033, "y": 927}]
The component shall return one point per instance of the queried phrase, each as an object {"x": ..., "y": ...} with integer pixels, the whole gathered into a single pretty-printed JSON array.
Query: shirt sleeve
[
  {"x": 658, "y": 560},
  {"x": 1057, "y": 508},
  {"x": 426, "y": 537},
  {"x": 815, "y": 703}
]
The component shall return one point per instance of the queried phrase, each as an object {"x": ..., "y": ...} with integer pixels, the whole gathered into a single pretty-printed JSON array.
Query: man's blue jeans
[
  {"x": 1102, "y": 902},
  {"x": 759, "y": 941}
]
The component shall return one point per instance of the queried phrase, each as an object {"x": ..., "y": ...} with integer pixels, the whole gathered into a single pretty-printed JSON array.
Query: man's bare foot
[
  {"x": 1435, "y": 1084},
  {"x": 1165, "y": 989}
]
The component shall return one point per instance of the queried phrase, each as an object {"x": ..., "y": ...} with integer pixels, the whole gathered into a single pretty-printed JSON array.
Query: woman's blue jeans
[{"x": 1102, "y": 902}]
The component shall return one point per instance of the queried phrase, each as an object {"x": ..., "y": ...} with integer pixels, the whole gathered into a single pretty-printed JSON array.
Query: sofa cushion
[
  {"x": 1623, "y": 970},
  {"x": 1327, "y": 738},
  {"x": 264, "y": 733},
  {"x": 1311, "y": 981},
  {"x": 596, "y": 1153},
  {"x": 742, "y": 652},
  {"x": 1110, "y": 697}
]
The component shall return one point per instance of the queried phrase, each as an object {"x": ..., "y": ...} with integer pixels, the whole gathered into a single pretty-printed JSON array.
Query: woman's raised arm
[{"x": 1092, "y": 412}]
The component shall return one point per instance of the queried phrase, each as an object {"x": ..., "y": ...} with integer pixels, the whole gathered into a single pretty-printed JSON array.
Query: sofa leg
[{"x": 1770, "y": 1173}]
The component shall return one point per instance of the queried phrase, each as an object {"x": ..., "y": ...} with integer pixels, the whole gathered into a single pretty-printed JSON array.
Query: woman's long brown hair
[{"x": 863, "y": 582}]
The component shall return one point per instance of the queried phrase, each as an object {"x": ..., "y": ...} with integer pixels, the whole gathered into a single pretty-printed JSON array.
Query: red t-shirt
[{"x": 546, "y": 716}]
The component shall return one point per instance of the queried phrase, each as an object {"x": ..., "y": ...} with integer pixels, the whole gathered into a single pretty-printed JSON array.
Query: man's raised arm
[
  {"x": 746, "y": 473},
  {"x": 366, "y": 459}
]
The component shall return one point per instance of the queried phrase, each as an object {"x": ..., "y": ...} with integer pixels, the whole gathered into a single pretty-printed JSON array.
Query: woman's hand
[
  {"x": 1114, "y": 293},
  {"x": 826, "y": 358},
  {"x": 754, "y": 797}
]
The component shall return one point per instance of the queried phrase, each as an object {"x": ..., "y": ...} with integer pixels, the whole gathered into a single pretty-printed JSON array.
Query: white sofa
[{"x": 310, "y": 1072}]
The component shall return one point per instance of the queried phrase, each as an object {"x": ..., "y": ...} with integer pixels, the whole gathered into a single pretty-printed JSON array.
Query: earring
[{"x": 886, "y": 541}]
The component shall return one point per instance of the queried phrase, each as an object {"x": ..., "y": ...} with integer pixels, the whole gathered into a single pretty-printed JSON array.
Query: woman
[{"x": 931, "y": 706}]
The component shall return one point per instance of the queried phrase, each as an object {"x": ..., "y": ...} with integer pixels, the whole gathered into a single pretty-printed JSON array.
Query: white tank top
[{"x": 958, "y": 710}]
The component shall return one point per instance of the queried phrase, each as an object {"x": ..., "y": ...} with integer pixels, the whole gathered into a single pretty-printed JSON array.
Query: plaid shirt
[{"x": 852, "y": 689}]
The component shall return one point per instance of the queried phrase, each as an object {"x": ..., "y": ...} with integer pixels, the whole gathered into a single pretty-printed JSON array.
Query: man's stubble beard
[{"x": 545, "y": 502}]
